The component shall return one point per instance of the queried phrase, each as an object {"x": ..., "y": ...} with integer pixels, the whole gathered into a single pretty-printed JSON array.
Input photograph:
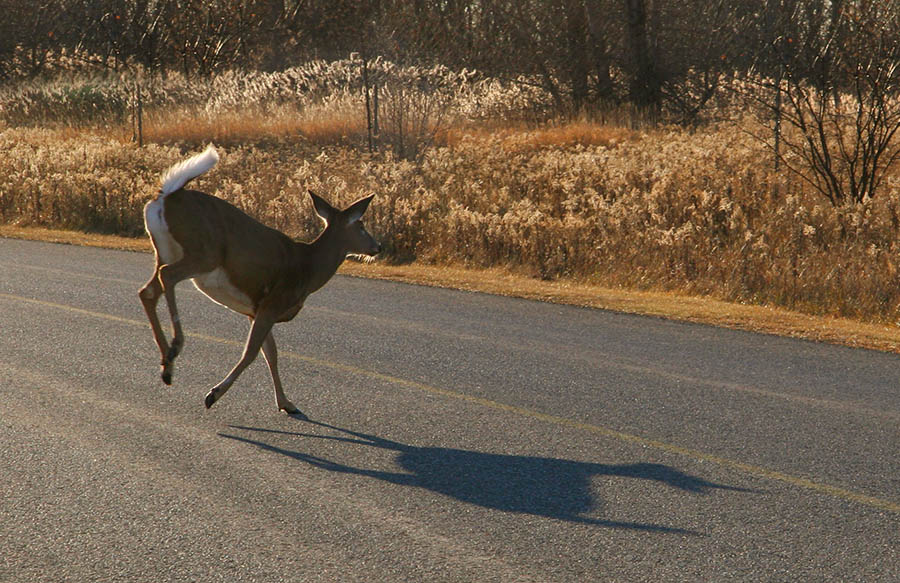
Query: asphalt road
[{"x": 452, "y": 437}]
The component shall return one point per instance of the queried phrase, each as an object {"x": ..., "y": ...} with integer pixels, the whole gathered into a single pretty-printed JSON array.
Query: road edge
[{"x": 667, "y": 305}]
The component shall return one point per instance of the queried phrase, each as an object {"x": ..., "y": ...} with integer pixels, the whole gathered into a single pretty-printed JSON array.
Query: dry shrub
[
  {"x": 322, "y": 127},
  {"x": 697, "y": 212},
  {"x": 86, "y": 182},
  {"x": 105, "y": 99},
  {"x": 522, "y": 137},
  {"x": 670, "y": 210}
]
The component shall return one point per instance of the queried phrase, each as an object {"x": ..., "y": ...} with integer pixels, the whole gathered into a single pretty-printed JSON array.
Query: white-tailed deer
[{"x": 240, "y": 263}]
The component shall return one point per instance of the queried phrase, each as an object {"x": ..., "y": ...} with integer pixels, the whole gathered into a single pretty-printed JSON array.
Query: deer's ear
[
  {"x": 355, "y": 211},
  {"x": 323, "y": 209}
]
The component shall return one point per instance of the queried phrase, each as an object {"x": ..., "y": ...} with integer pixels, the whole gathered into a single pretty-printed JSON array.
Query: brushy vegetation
[{"x": 696, "y": 211}]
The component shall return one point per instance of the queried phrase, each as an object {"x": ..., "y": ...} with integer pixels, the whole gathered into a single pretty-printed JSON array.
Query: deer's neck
[{"x": 320, "y": 261}]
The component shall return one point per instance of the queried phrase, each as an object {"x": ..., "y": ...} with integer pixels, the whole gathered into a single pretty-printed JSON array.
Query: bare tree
[
  {"x": 213, "y": 35},
  {"x": 839, "y": 97},
  {"x": 140, "y": 30},
  {"x": 34, "y": 29},
  {"x": 701, "y": 46}
]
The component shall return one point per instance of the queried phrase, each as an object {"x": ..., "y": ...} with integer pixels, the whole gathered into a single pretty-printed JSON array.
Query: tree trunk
[
  {"x": 645, "y": 86},
  {"x": 598, "y": 48},
  {"x": 576, "y": 39}
]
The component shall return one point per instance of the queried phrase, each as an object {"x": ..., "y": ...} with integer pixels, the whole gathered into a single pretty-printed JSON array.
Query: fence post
[
  {"x": 137, "y": 116},
  {"x": 365, "y": 74}
]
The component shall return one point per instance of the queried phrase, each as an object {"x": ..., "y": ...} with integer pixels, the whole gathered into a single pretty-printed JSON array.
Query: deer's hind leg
[
  {"x": 168, "y": 276},
  {"x": 150, "y": 295}
]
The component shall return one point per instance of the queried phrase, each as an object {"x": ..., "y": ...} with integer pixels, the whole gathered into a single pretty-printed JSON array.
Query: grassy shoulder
[{"x": 494, "y": 281}]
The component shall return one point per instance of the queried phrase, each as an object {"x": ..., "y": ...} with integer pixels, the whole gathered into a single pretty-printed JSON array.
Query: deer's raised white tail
[{"x": 240, "y": 263}]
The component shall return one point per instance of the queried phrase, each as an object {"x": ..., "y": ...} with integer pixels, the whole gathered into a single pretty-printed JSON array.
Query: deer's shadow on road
[{"x": 539, "y": 486}]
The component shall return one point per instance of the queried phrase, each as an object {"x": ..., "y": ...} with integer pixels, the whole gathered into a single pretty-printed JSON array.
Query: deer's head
[{"x": 346, "y": 225}]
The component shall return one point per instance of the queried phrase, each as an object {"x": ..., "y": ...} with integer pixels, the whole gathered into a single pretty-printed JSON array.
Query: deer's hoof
[
  {"x": 211, "y": 398},
  {"x": 166, "y": 375},
  {"x": 293, "y": 411}
]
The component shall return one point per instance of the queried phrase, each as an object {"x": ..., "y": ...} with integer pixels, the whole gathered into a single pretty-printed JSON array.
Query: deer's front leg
[{"x": 259, "y": 330}]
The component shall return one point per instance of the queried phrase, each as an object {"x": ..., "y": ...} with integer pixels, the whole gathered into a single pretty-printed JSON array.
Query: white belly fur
[
  {"x": 219, "y": 289},
  {"x": 167, "y": 247}
]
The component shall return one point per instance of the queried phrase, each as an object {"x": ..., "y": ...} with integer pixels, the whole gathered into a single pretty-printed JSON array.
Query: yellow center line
[
  {"x": 70, "y": 274},
  {"x": 759, "y": 471}
]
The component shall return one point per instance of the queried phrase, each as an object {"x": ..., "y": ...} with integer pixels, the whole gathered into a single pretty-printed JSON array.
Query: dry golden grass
[
  {"x": 229, "y": 129},
  {"x": 76, "y": 238},
  {"x": 698, "y": 213},
  {"x": 518, "y": 138}
]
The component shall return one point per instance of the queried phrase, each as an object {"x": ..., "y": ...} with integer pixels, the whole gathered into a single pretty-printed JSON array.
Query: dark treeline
[{"x": 648, "y": 54}]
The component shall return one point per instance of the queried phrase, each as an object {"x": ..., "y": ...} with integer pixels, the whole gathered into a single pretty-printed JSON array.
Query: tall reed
[{"x": 667, "y": 210}]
